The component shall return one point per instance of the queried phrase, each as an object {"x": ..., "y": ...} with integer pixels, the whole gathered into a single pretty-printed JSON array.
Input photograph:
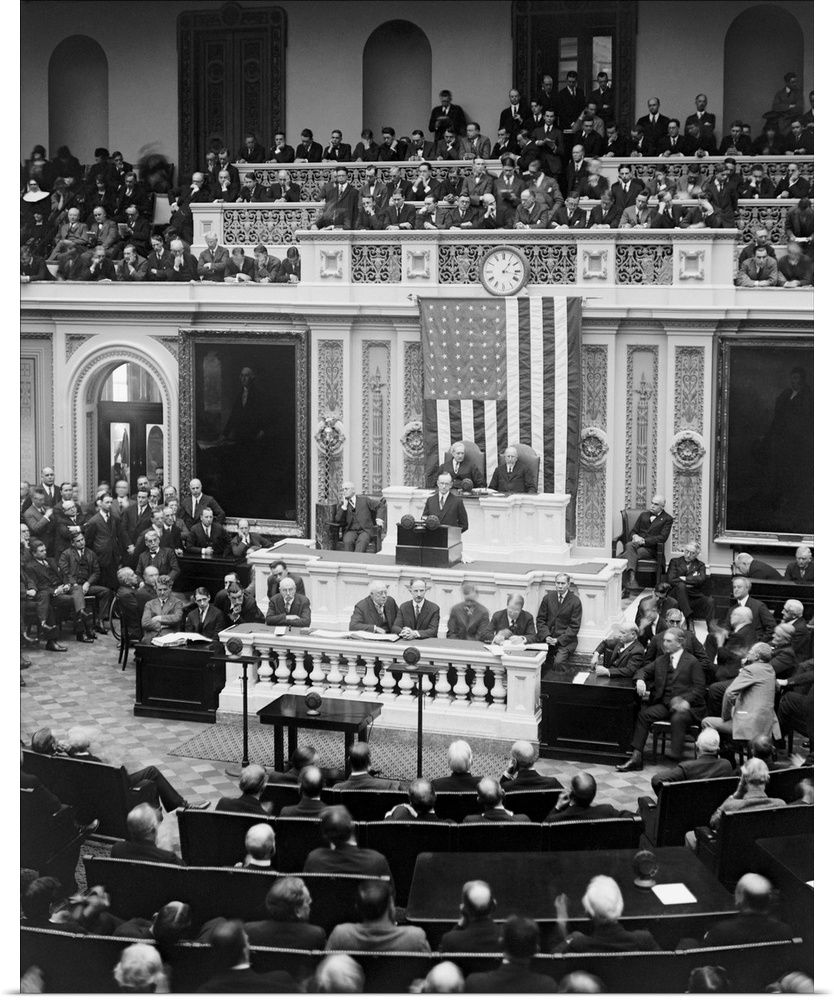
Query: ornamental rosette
[
  {"x": 687, "y": 451},
  {"x": 330, "y": 436},
  {"x": 593, "y": 447},
  {"x": 412, "y": 439}
]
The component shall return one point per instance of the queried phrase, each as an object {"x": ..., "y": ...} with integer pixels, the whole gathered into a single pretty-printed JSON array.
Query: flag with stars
[{"x": 500, "y": 372}]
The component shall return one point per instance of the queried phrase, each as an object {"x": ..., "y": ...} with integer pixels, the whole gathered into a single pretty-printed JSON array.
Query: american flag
[{"x": 501, "y": 372}]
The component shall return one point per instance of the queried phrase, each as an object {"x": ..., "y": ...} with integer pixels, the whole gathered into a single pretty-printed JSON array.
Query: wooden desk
[
  {"x": 591, "y": 722},
  {"x": 178, "y": 682},
  {"x": 349, "y": 717},
  {"x": 197, "y": 572},
  {"x": 789, "y": 863}
]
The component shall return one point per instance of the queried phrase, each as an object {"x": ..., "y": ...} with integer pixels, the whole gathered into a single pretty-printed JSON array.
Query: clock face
[{"x": 504, "y": 271}]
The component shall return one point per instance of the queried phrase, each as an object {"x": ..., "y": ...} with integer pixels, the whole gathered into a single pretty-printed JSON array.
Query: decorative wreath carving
[
  {"x": 330, "y": 436},
  {"x": 412, "y": 439},
  {"x": 687, "y": 451},
  {"x": 593, "y": 447}
]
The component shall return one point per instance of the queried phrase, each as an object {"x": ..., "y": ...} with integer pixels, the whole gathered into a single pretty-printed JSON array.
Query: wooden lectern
[{"x": 419, "y": 546}]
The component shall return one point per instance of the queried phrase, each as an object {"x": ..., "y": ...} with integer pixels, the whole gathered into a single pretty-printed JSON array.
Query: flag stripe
[
  {"x": 536, "y": 438},
  {"x": 524, "y": 421},
  {"x": 550, "y": 430},
  {"x": 444, "y": 438},
  {"x": 490, "y": 436},
  {"x": 512, "y": 368},
  {"x": 467, "y": 420},
  {"x": 478, "y": 430}
]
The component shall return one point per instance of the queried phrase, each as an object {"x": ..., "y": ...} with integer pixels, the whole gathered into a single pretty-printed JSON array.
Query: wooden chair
[
  {"x": 402, "y": 841},
  {"x": 655, "y": 567},
  {"x": 614, "y": 834},
  {"x": 535, "y": 803},
  {"x": 456, "y": 805},
  {"x": 528, "y": 457},
  {"x": 371, "y": 803},
  {"x": 660, "y": 731}
]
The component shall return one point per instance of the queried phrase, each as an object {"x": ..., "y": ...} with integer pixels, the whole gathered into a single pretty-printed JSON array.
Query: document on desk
[
  {"x": 280, "y": 630},
  {"x": 581, "y": 677},
  {"x": 673, "y": 893},
  {"x": 540, "y": 646}
]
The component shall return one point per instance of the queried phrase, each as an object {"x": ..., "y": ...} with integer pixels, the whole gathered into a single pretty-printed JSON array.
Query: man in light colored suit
[
  {"x": 163, "y": 614},
  {"x": 747, "y": 709},
  {"x": 417, "y": 618},
  {"x": 103, "y": 233},
  {"x": 479, "y": 182},
  {"x": 474, "y": 144},
  {"x": 639, "y": 215},
  {"x": 73, "y": 233}
]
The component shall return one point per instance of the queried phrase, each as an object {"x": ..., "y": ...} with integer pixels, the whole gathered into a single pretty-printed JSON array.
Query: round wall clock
[{"x": 504, "y": 271}]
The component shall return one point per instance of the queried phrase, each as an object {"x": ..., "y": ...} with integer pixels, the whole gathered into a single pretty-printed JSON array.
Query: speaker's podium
[{"x": 421, "y": 546}]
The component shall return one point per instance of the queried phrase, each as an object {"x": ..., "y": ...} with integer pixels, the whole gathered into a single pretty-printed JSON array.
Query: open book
[{"x": 178, "y": 639}]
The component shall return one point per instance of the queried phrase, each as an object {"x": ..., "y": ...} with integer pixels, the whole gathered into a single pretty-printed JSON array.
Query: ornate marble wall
[
  {"x": 591, "y": 521},
  {"x": 687, "y": 446},
  {"x": 641, "y": 425}
]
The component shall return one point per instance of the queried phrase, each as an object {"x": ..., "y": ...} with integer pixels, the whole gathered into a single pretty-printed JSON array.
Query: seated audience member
[
  {"x": 303, "y": 756},
  {"x": 801, "y": 568},
  {"x": 170, "y": 924},
  {"x": 622, "y": 654},
  {"x": 490, "y": 218},
  {"x": 245, "y": 540},
  {"x": 490, "y": 799},
  {"x": 252, "y": 191},
  {"x": 376, "y": 612},
  {"x": 757, "y": 185},
  {"x": 44, "y": 583},
  {"x": 359, "y": 758},
  {"x": 462, "y": 215},
  {"x": 367, "y": 218},
  {"x": 277, "y": 572},
  {"x": 639, "y": 215},
  {"x": 132, "y": 267},
  {"x": 795, "y": 269},
  {"x": 792, "y": 614},
  {"x": 796, "y": 706},
  {"x": 338, "y": 973},
  {"x": 469, "y": 619},
  {"x": 750, "y": 794},
  {"x": 677, "y": 692},
  {"x": 140, "y": 970},
  {"x": 342, "y": 854},
  {"x": 475, "y": 931},
  {"x": 519, "y": 943},
  {"x": 793, "y": 184},
  {"x": 666, "y": 216},
  {"x": 603, "y": 903},
  {"x": 226, "y": 188},
  {"x": 687, "y": 576},
  {"x": 425, "y": 184},
  {"x": 240, "y": 607},
  {"x": 520, "y": 772},
  {"x": 96, "y": 267},
  {"x": 310, "y": 784},
  {"x": 754, "y": 569},
  {"x": 251, "y": 783},
  {"x": 239, "y": 267},
  {"x": 159, "y": 260},
  {"x": 251, "y": 151},
  {"x": 420, "y": 806},
  {"x": 163, "y": 614},
  {"x": 130, "y": 613},
  {"x": 417, "y": 618},
  {"x": 230, "y": 951},
  {"x": 578, "y": 803},
  {"x": 513, "y": 622},
  {"x": 753, "y": 924},
  {"x": 708, "y": 979},
  {"x": 280, "y": 152},
  {"x": 530, "y": 213},
  {"x": 747, "y": 702},
  {"x": 377, "y": 930},
  {"x": 288, "y": 608},
  {"x": 142, "y": 831},
  {"x": 512, "y": 475},
  {"x": 71, "y": 234},
  {"x": 147, "y": 590},
  {"x": 761, "y": 748},
  {"x": 707, "y": 763},
  {"x": 32, "y": 267},
  {"x": 358, "y": 516},
  {"x": 606, "y": 215},
  {"x": 285, "y": 190},
  {"x": 558, "y": 621},
  {"x": 569, "y": 215},
  {"x": 398, "y": 215},
  {"x": 207, "y": 537},
  {"x": 799, "y": 226},
  {"x": 736, "y": 143},
  {"x": 205, "y": 619},
  {"x": 43, "y": 903},
  {"x": 460, "y": 779},
  {"x": 211, "y": 264},
  {"x": 290, "y": 267},
  {"x": 154, "y": 554},
  {"x": 792, "y": 982},
  {"x": 699, "y": 141},
  {"x": 804, "y": 793},
  {"x": 80, "y": 570},
  {"x": 288, "y": 914},
  {"x": 783, "y": 657},
  {"x": 259, "y": 844}
]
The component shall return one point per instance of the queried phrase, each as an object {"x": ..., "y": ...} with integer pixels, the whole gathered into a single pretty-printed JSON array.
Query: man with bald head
[
  {"x": 191, "y": 508},
  {"x": 420, "y": 806},
  {"x": 459, "y": 468},
  {"x": 251, "y": 783},
  {"x": 646, "y": 540},
  {"x": 801, "y": 569},
  {"x": 707, "y": 763},
  {"x": 260, "y": 847},
  {"x": 578, "y": 803},
  {"x": 287, "y": 607},
  {"x": 475, "y": 931},
  {"x": 731, "y": 647},
  {"x": 513, "y": 622},
  {"x": 626, "y": 656},
  {"x": 357, "y": 515},
  {"x": 511, "y": 475},
  {"x": 376, "y": 612},
  {"x": 755, "y": 569},
  {"x": 491, "y": 799},
  {"x": 753, "y": 923},
  {"x": 520, "y": 773}
]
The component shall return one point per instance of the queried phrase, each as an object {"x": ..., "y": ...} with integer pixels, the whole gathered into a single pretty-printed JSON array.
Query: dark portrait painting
[
  {"x": 247, "y": 436},
  {"x": 765, "y": 461}
]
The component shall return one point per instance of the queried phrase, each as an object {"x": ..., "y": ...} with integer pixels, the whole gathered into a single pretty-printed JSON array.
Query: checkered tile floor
[{"x": 86, "y": 687}]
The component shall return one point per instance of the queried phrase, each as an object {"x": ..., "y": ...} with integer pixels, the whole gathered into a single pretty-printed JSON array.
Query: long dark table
[
  {"x": 590, "y": 722},
  {"x": 789, "y": 863}
]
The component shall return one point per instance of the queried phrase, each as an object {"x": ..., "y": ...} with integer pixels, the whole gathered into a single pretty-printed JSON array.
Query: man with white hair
[
  {"x": 750, "y": 794},
  {"x": 731, "y": 647},
  {"x": 376, "y": 612},
  {"x": 183, "y": 265},
  {"x": 445, "y": 977},
  {"x": 459, "y": 468},
  {"x": 748, "y": 700},
  {"x": 211, "y": 264},
  {"x": 626, "y": 656},
  {"x": 260, "y": 847},
  {"x": 603, "y": 903},
  {"x": 142, "y": 831},
  {"x": 793, "y": 614},
  {"x": 801, "y": 569},
  {"x": 287, "y": 607},
  {"x": 755, "y": 569},
  {"x": 520, "y": 773},
  {"x": 339, "y": 974},
  {"x": 646, "y": 540},
  {"x": 476, "y": 930},
  {"x": 706, "y": 764},
  {"x": 687, "y": 576},
  {"x": 461, "y": 779},
  {"x": 763, "y": 619},
  {"x": 783, "y": 658}
]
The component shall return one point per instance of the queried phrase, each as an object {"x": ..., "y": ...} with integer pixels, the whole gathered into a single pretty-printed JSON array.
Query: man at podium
[{"x": 450, "y": 510}]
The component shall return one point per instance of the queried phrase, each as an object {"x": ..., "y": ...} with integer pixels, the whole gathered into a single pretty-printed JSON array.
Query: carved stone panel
[
  {"x": 412, "y": 435},
  {"x": 591, "y": 523},
  {"x": 688, "y": 448},
  {"x": 330, "y": 406},
  {"x": 376, "y": 415},
  {"x": 641, "y": 425}
]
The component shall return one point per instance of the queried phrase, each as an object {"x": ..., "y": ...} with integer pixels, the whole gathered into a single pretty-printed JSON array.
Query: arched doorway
[
  {"x": 79, "y": 97},
  {"x": 396, "y": 78},
  {"x": 761, "y": 45},
  {"x": 131, "y": 435}
]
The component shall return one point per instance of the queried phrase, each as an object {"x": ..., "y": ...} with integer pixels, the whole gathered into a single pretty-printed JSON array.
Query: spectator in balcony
[
  {"x": 724, "y": 196},
  {"x": 398, "y": 215},
  {"x": 424, "y": 184},
  {"x": 473, "y": 144},
  {"x": 267, "y": 267},
  {"x": 336, "y": 151},
  {"x": 462, "y": 215},
  {"x": 251, "y": 190},
  {"x": 544, "y": 189},
  {"x": 757, "y": 185},
  {"x": 489, "y": 219},
  {"x": 527, "y": 151},
  {"x": 787, "y": 103},
  {"x": 183, "y": 264},
  {"x": 285, "y": 190},
  {"x": 131, "y": 192},
  {"x": 626, "y": 188},
  {"x": 504, "y": 144},
  {"x": 793, "y": 184},
  {"x": 251, "y": 151},
  {"x": 550, "y": 145},
  {"x": 801, "y": 569},
  {"x": 591, "y": 111},
  {"x": 577, "y": 169},
  {"x": 418, "y": 149},
  {"x": 308, "y": 151},
  {"x": 366, "y": 149},
  {"x": 699, "y": 142},
  {"x": 94, "y": 268},
  {"x": 367, "y": 217},
  {"x": 530, "y": 214},
  {"x": 159, "y": 260},
  {"x": 568, "y": 215},
  {"x": 508, "y": 188},
  {"x": 426, "y": 216},
  {"x": 72, "y": 233},
  {"x": 769, "y": 143},
  {"x": 736, "y": 143},
  {"x": 606, "y": 215},
  {"x": 134, "y": 231},
  {"x": 593, "y": 184},
  {"x": 211, "y": 264},
  {"x": 226, "y": 189},
  {"x": 800, "y": 140},
  {"x": 655, "y": 126},
  {"x": 197, "y": 192},
  {"x": 671, "y": 144},
  {"x": 761, "y": 238},
  {"x": 758, "y": 271},
  {"x": 239, "y": 267},
  {"x": 448, "y": 147},
  {"x": 589, "y": 136},
  {"x": 32, "y": 268},
  {"x": 637, "y": 144},
  {"x": 807, "y": 119},
  {"x": 445, "y": 114},
  {"x": 291, "y": 267},
  {"x": 280, "y": 152},
  {"x": 102, "y": 232},
  {"x": 795, "y": 269},
  {"x": 701, "y": 117},
  {"x": 376, "y": 189},
  {"x": 534, "y": 120},
  {"x": 512, "y": 118},
  {"x": 390, "y": 149},
  {"x": 667, "y": 215},
  {"x": 638, "y": 215},
  {"x": 799, "y": 226},
  {"x": 614, "y": 144},
  {"x": 478, "y": 183}
]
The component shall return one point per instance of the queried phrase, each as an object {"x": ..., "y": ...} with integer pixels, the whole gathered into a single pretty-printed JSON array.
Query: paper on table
[
  {"x": 811, "y": 883},
  {"x": 673, "y": 893},
  {"x": 581, "y": 677},
  {"x": 496, "y": 650},
  {"x": 280, "y": 630}
]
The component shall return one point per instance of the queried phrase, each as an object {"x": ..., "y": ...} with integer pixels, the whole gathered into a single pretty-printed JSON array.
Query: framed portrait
[
  {"x": 764, "y": 472},
  {"x": 244, "y": 430}
]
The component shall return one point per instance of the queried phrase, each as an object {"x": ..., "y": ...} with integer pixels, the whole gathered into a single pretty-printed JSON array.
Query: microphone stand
[
  {"x": 419, "y": 672},
  {"x": 235, "y": 770}
]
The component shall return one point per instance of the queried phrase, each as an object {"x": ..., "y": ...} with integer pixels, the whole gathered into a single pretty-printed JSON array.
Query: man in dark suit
[
  {"x": 40, "y": 520},
  {"x": 520, "y": 773},
  {"x": 239, "y": 268},
  {"x": 251, "y": 783},
  {"x": 558, "y": 621},
  {"x": 357, "y": 515},
  {"x": 462, "y": 215},
  {"x": 677, "y": 685},
  {"x": 755, "y": 569},
  {"x": 763, "y": 620},
  {"x": 420, "y": 805},
  {"x": 191, "y": 509},
  {"x": 459, "y": 468},
  {"x": 461, "y": 778},
  {"x": 207, "y": 538},
  {"x": 287, "y": 905},
  {"x": 310, "y": 784},
  {"x": 424, "y": 184},
  {"x": 724, "y": 196},
  {"x": 238, "y": 607},
  {"x": 106, "y": 536},
  {"x": 570, "y": 101},
  {"x": 341, "y": 203},
  {"x": 512, "y": 476},
  {"x": 142, "y": 830},
  {"x": 707, "y": 763},
  {"x": 578, "y": 802},
  {"x": 336, "y": 151},
  {"x": 513, "y": 621},
  {"x": 469, "y": 619},
  {"x": 417, "y": 618},
  {"x": 419, "y": 149},
  {"x": 308, "y": 151},
  {"x": 513, "y": 117},
  {"x": 398, "y": 215},
  {"x": 377, "y": 189},
  {"x": 287, "y": 607},
  {"x": 626, "y": 188},
  {"x": 625, "y": 657},
  {"x": 159, "y": 260},
  {"x": 245, "y": 540},
  {"x": 285, "y": 190},
  {"x": 205, "y": 619},
  {"x": 793, "y": 614},
  {"x": 551, "y": 145},
  {"x": 603, "y": 97},
  {"x": 137, "y": 517},
  {"x": 444, "y": 113},
  {"x": 687, "y": 576},
  {"x": 280, "y": 151},
  {"x": 80, "y": 569},
  {"x": 450, "y": 509},
  {"x": 342, "y": 856},
  {"x": 655, "y": 125},
  {"x": 376, "y": 612},
  {"x": 646, "y": 541},
  {"x": 475, "y": 931},
  {"x": 490, "y": 799},
  {"x": 520, "y": 942},
  {"x": 137, "y": 233},
  {"x": 230, "y": 947},
  {"x": 701, "y": 117}
]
